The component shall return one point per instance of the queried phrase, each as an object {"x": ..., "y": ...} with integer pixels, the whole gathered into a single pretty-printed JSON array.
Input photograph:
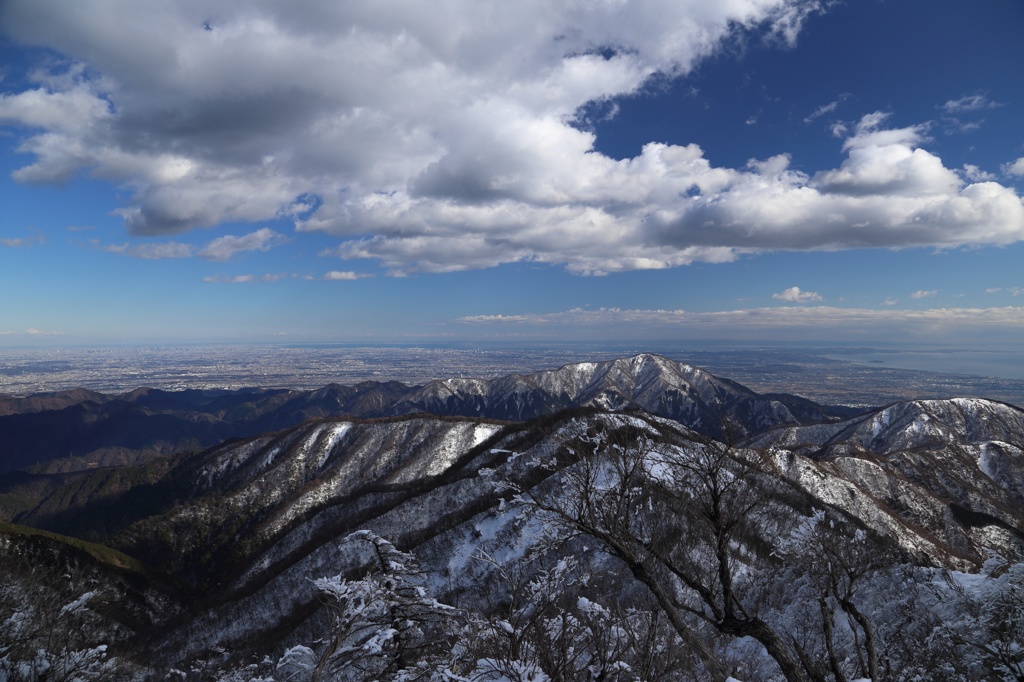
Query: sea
[{"x": 1001, "y": 363}]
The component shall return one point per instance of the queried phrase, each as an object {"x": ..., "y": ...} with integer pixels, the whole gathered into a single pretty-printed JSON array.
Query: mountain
[
  {"x": 951, "y": 470},
  {"x": 738, "y": 535},
  {"x": 43, "y": 402},
  {"x": 652, "y": 383},
  {"x": 80, "y": 430}
]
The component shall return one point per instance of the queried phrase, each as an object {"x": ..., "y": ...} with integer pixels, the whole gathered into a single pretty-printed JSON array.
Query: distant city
[{"x": 823, "y": 375}]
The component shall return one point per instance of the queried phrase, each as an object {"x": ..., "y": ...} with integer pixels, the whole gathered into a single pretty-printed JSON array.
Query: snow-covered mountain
[
  {"x": 948, "y": 474},
  {"x": 655, "y": 384},
  {"x": 799, "y": 546},
  {"x": 76, "y": 430}
]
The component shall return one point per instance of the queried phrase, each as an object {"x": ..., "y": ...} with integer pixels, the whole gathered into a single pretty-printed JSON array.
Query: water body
[{"x": 1006, "y": 364}]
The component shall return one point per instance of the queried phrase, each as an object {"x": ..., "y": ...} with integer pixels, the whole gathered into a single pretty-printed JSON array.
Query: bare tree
[
  {"x": 553, "y": 626},
  {"x": 48, "y": 626},
  {"x": 985, "y": 622},
  {"x": 383, "y": 622},
  {"x": 689, "y": 517}
]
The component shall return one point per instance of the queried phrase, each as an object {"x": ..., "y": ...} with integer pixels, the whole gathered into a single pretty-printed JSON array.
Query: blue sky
[{"x": 390, "y": 172}]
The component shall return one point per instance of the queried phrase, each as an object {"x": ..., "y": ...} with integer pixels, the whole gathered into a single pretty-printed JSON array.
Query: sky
[{"x": 380, "y": 172}]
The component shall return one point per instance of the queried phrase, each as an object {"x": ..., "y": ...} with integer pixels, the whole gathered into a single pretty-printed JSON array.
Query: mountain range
[
  {"x": 219, "y": 555},
  {"x": 80, "y": 429}
]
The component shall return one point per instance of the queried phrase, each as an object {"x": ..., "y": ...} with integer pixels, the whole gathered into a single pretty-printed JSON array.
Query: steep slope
[
  {"x": 245, "y": 496},
  {"x": 245, "y": 528},
  {"x": 257, "y": 520},
  {"x": 952, "y": 470}
]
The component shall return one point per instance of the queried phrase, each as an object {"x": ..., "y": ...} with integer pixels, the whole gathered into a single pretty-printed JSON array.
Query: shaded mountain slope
[
  {"x": 245, "y": 526},
  {"x": 86, "y": 430},
  {"x": 242, "y": 529}
]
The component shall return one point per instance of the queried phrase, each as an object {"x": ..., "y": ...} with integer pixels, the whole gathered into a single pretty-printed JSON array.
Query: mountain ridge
[
  {"x": 132, "y": 427},
  {"x": 242, "y": 532}
]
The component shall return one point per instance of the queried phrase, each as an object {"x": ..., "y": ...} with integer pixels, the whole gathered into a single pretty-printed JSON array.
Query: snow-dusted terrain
[{"x": 616, "y": 541}]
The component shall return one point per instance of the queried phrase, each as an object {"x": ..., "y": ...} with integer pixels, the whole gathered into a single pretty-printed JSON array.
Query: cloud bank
[
  {"x": 780, "y": 323},
  {"x": 449, "y": 137}
]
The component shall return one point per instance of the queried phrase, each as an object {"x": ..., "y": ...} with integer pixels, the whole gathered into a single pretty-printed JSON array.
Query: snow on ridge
[
  {"x": 455, "y": 442},
  {"x": 880, "y": 422},
  {"x": 987, "y": 460},
  {"x": 333, "y": 436},
  {"x": 483, "y": 432}
]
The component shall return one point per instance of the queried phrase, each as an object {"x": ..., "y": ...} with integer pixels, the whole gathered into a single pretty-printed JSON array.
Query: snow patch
[
  {"x": 987, "y": 459},
  {"x": 881, "y": 421}
]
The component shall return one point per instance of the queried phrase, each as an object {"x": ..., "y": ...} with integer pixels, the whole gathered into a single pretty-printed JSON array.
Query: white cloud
[
  {"x": 826, "y": 109},
  {"x": 794, "y": 295},
  {"x": 977, "y": 102},
  {"x": 23, "y": 242},
  {"x": 921, "y": 293},
  {"x": 813, "y": 322},
  {"x": 39, "y": 332},
  {"x": 975, "y": 174},
  {"x": 228, "y": 246},
  {"x": 890, "y": 301},
  {"x": 244, "y": 279},
  {"x": 451, "y": 140},
  {"x": 337, "y": 275},
  {"x": 1015, "y": 168},
  {"x": 1013, "y": 291},
  {"x": 220, "y": 249},
  {"x": 156, "y": 251}
]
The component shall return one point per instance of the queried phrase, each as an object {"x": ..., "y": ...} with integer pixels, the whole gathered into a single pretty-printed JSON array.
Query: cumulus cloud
[
  {"x": 455, "y": 136},
  {"x": 890, "y": 301},
  {"x": 921, "y": 293},
  {"x": 794, "y": 295},
  {"x": 1015, "y": 168},
  {"x": 39, "y": 332},
  {"x": 975, "y": 174}
]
